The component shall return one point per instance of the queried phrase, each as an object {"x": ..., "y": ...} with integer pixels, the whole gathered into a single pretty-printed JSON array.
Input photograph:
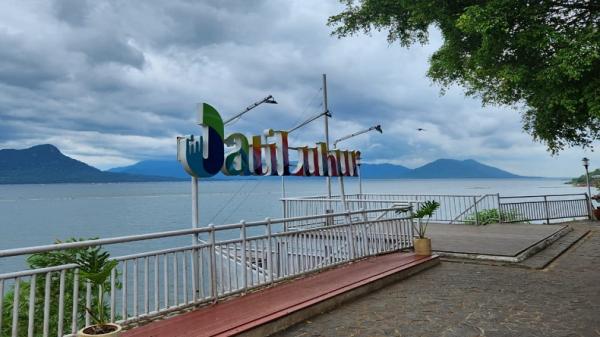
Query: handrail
[
  {"x": 354, "y": 200},
  {"x": 470, "y": 207},
  {"x": 155, "y": 283},
  {"x": 165, "y": 234},
  {"x": 541, "y": 196}
]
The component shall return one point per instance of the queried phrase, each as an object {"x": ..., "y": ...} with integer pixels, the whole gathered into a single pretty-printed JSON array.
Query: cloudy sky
[{"x": 114, "y": 82}]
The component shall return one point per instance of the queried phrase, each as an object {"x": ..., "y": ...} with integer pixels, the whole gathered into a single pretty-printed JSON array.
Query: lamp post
[
  {"x": 306, "y": 122},
  {"x": 341, "y": 177},
  {"x": 586, "y": 164},
  {"x": 269, "y": 99}
]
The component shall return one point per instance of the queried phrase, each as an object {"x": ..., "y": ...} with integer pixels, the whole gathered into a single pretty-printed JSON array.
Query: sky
[{"x": 115, "y": 82}]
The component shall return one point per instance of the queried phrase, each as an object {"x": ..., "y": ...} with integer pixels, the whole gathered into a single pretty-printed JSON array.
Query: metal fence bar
[{"x": 227, "y": 266}]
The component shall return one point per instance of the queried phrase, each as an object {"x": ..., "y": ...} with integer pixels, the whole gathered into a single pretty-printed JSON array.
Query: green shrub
[
  {"x": 42, "y": 260},
  {"x": 492, "y": 215}
]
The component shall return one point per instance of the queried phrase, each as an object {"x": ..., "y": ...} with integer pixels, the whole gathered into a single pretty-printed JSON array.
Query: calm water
[{"x": 41, "y": 214}]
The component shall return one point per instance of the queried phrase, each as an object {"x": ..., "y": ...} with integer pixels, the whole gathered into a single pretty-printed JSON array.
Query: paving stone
[{"x": 464, "y": 299}]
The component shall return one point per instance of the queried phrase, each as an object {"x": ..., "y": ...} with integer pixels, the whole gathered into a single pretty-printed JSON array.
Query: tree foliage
[
  {"x": 49, "y": 259},
  {"x": 542, "y": 57}
]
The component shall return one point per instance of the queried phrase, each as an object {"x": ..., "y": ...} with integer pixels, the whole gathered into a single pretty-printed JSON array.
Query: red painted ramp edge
[{"x": 243, "y": 313}]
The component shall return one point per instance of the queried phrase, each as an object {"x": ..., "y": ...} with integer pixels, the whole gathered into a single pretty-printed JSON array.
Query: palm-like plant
[
  {"x": 95, "y": 266},
  {"x": 426, "y": 209}
]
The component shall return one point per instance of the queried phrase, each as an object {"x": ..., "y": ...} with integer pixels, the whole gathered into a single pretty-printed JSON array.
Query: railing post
[
  {"x": 499, "y": 208},
  {"x": 329, "y": 218},
  {"x": 475, "y": 209},
  {"x": 546, "y": 210},
  {"x": 412, "y": 224},
  {"x": 270, "y": 250},
  {"x": 364, "y": 214},
  {"x": 213, "y": 263},
  {"x": 588, "y": 202},
  {"x": 244, "y": 257},
  {"x": 285, "y": 214},
  {"x": 350, "y": 237}
]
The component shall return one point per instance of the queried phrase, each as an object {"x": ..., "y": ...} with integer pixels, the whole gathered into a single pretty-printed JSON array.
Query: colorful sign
[{"x": 263, "y": 155}]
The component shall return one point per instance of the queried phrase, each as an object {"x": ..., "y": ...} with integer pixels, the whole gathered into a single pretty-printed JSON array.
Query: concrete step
[{"x": 543, "y": 258}]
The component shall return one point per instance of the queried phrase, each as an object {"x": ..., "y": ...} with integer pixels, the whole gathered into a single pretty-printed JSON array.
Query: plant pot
[
  {"x": 597, "y": 213},
  {"x": 116, "y": 333},
  {"x": 422, "y": 246}
]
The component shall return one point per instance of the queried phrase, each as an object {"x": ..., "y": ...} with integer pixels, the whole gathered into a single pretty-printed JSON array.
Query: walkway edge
[
  {"x": 279, "y": 321},
  {"x": 521, "y": 256}
]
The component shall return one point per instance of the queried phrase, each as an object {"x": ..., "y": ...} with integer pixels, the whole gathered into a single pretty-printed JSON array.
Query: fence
[
  {"x": 453, "y": 208},
  {"x": 235, "y": 258},
  {"x": 544, "y": 207}
]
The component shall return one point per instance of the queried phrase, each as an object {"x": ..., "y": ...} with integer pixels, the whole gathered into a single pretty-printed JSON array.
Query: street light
[
  {"x": 306, "y": 122},
  {"x": 586, "y": 164},
  {"x": 269, "y": 100},
  {"x": 341, "y": 178},
  {"x": 195, "y": 209}
]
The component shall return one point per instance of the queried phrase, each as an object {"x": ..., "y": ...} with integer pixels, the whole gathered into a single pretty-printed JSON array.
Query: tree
[
  {"x": 44, "y": 260},
  {"x": 541, "y": 57}
]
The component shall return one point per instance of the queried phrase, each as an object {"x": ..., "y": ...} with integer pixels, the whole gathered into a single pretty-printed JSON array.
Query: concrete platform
[
  {"x": 273, "y": 309},
  {"x": 496, "y": 242}
]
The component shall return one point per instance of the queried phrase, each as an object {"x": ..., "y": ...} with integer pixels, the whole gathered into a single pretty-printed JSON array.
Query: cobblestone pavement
[{"x": 464, "y": 300}]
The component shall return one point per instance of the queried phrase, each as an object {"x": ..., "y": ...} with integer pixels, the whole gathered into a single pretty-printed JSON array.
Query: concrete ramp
[{"x": 496, "y": 242}]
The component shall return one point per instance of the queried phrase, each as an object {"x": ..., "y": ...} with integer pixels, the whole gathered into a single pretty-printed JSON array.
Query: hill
[
  {"x": 450, "y": 168},
  {"x": 172, "y": 168},
  {"x": 581, "y": 180},
  {"x": 45, "y": 164},
  {"x": 383, "y": 171},
  {"x": 164, "y": 168},
  {"x": 439, "y": 169}
]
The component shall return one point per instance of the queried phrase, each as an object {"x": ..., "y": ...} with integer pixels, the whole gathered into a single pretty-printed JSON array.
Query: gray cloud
[{"x": 114, "y": 82}]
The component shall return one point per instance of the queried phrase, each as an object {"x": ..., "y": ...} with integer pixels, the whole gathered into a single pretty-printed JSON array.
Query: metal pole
[
  {"x": 359, "y": 182},
  {"x": 326, "y": 109},
  {"x": 342, "y": 190},
  {"x": 589, "y": 199},
  {"x": 546, "y": 210},
  {"x": 499, "y": 208},
  {"x": 195, "y": 241},
  {"x": 475, "y": 209}
]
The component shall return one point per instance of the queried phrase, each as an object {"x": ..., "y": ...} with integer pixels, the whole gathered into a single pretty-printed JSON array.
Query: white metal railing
[
  {"x": 544, "y": 207},
  {"x": 230, "y": 259},
  {"x": 453, "y": 208}
]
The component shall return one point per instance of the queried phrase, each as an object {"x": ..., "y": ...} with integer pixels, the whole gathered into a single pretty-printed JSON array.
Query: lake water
[{"x": 41, "y": 214}]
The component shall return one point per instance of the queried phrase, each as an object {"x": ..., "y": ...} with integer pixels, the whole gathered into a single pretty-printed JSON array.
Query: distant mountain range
[
  {"x": 45, "y": 164},
  {"x": 439, "y": 169}
]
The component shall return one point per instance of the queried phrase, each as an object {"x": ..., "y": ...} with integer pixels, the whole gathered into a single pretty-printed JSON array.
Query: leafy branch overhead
[{"x": 542, "y": 57}]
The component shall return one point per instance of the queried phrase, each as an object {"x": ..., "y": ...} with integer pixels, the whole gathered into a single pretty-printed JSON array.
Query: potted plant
[
  {"x": 95, "y": 267},
  {"x": 421, "y": 242}
]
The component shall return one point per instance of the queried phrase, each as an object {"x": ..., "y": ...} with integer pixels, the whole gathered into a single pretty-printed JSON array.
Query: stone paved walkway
[{"x": 464, "y": 300}]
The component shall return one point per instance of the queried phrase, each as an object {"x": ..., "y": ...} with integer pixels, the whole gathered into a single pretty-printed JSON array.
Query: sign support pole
[
  {"x": 326, "y": 110},
  {"x": 195, "y": 241}
]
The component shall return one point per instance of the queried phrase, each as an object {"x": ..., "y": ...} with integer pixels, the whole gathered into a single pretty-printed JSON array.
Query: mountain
[
  {"x": 167, "y": 168},
  {"x": 163, "y": 168},
  {"x": 383, "y": 171},
  {"x": 450, "y": 168},
  {"x": 172, "y": 168},
  {"x": 45, "y": 164},
  {"x": 441, "y": 168},
  {"x": 581, "y": 180}
]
